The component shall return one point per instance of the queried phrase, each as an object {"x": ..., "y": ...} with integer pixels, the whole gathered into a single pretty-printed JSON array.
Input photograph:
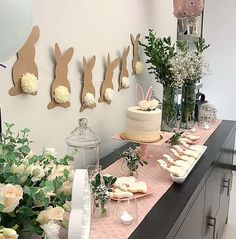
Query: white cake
[{"x": 142, "y": 125}]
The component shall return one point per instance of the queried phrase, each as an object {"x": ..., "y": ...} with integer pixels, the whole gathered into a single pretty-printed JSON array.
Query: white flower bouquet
[
  {"x": 188, "y": 66},
  {"x": 35, "y": 190}
]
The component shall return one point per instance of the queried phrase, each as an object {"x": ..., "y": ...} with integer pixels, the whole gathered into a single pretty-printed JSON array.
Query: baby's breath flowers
[{"x": 187, "y": 67}]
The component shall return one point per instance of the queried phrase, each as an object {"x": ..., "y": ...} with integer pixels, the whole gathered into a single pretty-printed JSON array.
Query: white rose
[
  {"x": 143, "y": 105},
  {"x": 89, "y": 100},
  {"x": 49, "y": 152},
  {"x": 37, "y": 172},
  {"x": 9, "y": 233},
  {"x": 61, "y": 94},
  {"x": 10, "y": 195},
  {"x": 51, "y": 230},
  {"x": 18, "y": 168},
  {"x": 52, "y": 213},
  {"x": 29, "y": 83},
  {"x": 59, "y": 171},
  {"x": 139, "y": 67},
  {"x": 109, "y": 94},
  {"x": 66, "y": 188},
  {"x": 49, "y": 167},
  {"x": 125, "y": 82},
  {"x": 153, "y": 104}
]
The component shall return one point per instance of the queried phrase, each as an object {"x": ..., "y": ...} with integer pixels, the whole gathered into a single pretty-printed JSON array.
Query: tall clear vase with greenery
[
  {"x": 188, "y": 105},
  {"x": 159, "y": 51},
  {"x": 169, "y": 114}
]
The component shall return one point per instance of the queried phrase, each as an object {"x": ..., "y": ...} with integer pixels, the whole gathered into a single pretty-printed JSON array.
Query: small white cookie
[
  {"x": 191, "y": 153},
  {"x": 180, "y": 163},
  {"x": 192, "y": 137},
  {"x": 177, "y": 171},
  {"x": 178, "y": 148},
  {"x": 186, "y": 140},
  {"x": 187, "y": 158},
  {"x": 139, "y": 187},
  {"x": 124, "y": 182},
  {"x": 117, "y": 193}
]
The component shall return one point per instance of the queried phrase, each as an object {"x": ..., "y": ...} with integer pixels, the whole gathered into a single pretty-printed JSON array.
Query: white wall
[
  {"x": 220, "y": 32},
  {"x": 91, "y": 27}
]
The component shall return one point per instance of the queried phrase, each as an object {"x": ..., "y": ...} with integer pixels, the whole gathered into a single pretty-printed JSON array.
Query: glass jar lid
[{"x": 82, "y": 136}]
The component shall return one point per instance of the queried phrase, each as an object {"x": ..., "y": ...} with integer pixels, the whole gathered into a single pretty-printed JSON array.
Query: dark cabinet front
[
  {"x": 192, "y": 226},
  {"x": 209, "y": 213}
]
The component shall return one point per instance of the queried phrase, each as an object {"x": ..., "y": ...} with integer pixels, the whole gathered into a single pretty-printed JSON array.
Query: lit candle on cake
[{"x": 126, "y": 218}]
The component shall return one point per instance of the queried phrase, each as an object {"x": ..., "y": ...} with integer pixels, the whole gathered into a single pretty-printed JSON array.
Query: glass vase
[
  {"x": 101, "y": 208},
  {"x": 169, "y": 111},
  {"x": 188, "y": 105},
  {"x": 130, "y": 169}
]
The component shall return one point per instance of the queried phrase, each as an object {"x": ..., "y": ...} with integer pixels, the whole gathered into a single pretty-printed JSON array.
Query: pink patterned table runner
[{"x": 156, "y": 178}]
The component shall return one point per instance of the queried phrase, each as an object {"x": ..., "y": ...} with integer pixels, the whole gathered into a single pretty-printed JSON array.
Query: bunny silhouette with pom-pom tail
[
  {"x": 60, "y": 89},
  {"x": 88, "y": 92},
  {"x": 25, "y": 62},
  {"x": 136, "y": 63},
  {"x": 107, "y": 89},
  {"x": 124, "y": 74}
]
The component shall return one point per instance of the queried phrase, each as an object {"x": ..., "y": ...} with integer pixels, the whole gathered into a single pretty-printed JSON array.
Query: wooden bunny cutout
[
  {"x": 107, "y": 89},
  {"x": 124, "y": 74},
  {"x": 60, "y": 97},
  {"x": 88, "y": 91},
  {"x": 136, "y": 57},
  {"x": 25, "y": 62}
]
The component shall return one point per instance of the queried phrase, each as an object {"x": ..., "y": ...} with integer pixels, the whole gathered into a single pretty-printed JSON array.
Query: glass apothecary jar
[
  {"x": 84, "y": 145},
  {"x": 207, "y": 115}
]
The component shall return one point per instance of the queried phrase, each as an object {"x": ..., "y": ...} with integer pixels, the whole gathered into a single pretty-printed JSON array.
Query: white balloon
[{"x": 16, "y": 18}]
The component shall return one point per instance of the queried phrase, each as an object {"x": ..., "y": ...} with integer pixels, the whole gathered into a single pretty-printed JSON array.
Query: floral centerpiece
[
  {"x": 175, "y": 66},
  {"x": 159, "y": 51},
  {"x": 187, "y": 67},
  {"x": 35, "y": 189},
  {"x": 132, "y": 160}
]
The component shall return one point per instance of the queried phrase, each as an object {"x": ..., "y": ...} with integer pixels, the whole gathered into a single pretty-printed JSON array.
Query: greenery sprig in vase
[
  {"x": 132, "y": 160},
  {"x": 159, "y": 52},
  {"x": 101, "y": 188}
]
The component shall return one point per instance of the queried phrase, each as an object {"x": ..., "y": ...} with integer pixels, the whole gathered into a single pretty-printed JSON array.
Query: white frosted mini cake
[{"x": 143, "y": 122}]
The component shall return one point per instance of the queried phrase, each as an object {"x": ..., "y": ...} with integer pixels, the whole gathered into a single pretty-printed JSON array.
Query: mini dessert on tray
[
  {"x": 175, "y": 170},
  {"x": 180, "y": 163}
]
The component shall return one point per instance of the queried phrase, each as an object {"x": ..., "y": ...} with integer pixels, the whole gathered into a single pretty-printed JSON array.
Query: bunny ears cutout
[
  {"x": 60, "y": 89},
  {"x": 140, "y": 93},
  {"x": 137, "y": 65},
  {"x": 25, "y": 70},
  {"x": 124, "y": 73},
  {"x": 88, "y": 89},
  {"x": 107, "y": 89}
]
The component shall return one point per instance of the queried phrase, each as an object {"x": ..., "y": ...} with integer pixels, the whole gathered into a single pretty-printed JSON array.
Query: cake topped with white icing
[{"x": 143, "y": 122}]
